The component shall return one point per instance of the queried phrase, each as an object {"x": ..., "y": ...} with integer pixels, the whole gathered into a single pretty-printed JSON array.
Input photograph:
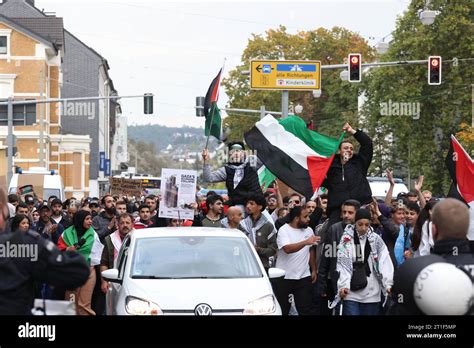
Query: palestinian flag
[
  {"x": 296, "y": 155},
  {"x": 211, "y": 111},
  {"x": 461, "y": 169}
]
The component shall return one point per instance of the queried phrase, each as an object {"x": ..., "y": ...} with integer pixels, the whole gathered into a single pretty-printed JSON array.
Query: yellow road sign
[{"x": 300, "y": 75}]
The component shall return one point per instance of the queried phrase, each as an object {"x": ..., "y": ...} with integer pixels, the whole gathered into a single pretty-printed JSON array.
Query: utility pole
[
  {"x": 284, "y": 103},
  {"x": 41, "y": 131},
  {"x": 10, "y": 137},
  {"x": 10, "y": 140}
]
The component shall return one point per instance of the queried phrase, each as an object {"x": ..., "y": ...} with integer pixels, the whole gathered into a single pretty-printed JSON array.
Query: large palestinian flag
[
  {"x": 461, "y": 169},
  {"x": 294, "y": 154}
]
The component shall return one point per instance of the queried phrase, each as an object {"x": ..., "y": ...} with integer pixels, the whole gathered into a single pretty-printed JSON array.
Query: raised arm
[
  {"x": 388, "y": 197},
  {"x": 418, "y": 186},
  {"x": 209, "y": 176},
  {"x": 366, "y": 148}
]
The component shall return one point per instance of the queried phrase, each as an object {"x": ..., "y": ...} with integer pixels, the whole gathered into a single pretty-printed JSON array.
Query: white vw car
[{"x": 190, "y": 271}]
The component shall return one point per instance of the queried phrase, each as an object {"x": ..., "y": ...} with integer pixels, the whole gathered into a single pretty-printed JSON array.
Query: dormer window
[{"x": 3, "y": 44}]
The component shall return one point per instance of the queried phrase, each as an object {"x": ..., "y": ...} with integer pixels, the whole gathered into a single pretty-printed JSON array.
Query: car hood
[{"x": 186, "y": 294}]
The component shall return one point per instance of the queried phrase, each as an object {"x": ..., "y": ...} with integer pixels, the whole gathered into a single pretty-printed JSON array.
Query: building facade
[
  {"x": 31, "y": 69},
  {"x": 84, "y": 73}
]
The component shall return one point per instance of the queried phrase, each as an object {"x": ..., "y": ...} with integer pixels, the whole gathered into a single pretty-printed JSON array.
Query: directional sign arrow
[{"x": 258, "y": 68}]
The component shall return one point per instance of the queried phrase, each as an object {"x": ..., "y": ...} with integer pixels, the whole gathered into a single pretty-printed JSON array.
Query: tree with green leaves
[{"x": 417, "y": 144}]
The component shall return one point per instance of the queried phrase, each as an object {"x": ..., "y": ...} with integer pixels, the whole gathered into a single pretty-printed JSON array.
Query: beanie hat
[{"x": 362, "y": 214}]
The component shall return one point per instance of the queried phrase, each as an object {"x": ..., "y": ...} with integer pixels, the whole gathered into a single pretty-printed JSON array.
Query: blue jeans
[{"x": 357, "y": 308}]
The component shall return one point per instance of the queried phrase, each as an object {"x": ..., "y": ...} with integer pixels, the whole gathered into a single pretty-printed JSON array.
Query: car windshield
[{"x": 193, "y": 257}]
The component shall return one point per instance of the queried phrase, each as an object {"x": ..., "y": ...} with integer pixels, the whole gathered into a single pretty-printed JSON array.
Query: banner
[
  {"x": 102, "y": 161},
  {"x": 125, "y": 187},
  {"x": 178, "y": 189}
]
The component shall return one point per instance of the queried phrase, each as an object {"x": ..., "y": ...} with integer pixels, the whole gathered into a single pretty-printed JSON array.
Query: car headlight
[
  {"x": 261, "y": 306},
  {"x": 137, "y": 306}
]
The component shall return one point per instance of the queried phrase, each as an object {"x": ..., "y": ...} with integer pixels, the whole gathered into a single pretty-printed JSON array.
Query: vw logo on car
[{"x": 203, "y": 309}]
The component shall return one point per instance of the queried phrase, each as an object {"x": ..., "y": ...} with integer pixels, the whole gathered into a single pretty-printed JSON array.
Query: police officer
[
  {"x": 41, "y": 262},
  {"x": 35, "y": 260},
  {"x": 450, "y": 227}
]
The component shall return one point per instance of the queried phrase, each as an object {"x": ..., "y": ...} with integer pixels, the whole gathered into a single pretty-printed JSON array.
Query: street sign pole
[
  {"x": 284, "y": 104},
  {"x": 262, "y": 111},
  {"x": 10, "y": 140},
  {"x": 10, "y": 102}
]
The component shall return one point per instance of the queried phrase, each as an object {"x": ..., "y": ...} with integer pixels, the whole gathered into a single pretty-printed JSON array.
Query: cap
[
  {"x": 94, "y": 201},
  {"x": 45, "y": 205},
  {"x": 29, "y": 199},
  {"x": 56, "y": 201},
  {"x": 362, "y": 214},
  {"x": 236, "y": 145}
]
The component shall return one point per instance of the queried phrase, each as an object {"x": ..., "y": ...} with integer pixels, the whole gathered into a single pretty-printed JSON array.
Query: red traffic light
[
  {"x": 434, "y": 62},
  {"x": 434, "y": 70},
  {"x": 354, "y": 59},
  {"x": 354, "y": 67}
]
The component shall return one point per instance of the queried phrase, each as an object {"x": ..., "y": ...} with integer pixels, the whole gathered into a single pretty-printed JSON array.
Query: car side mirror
[
  {"x": 274, "y": 273},
  {"x": 112, "y": 275}
]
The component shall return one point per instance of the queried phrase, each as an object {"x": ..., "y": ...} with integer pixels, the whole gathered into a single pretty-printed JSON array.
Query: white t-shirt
[
  {"x": 57, "y": 219},
  {"x": 296, "y": 264}
]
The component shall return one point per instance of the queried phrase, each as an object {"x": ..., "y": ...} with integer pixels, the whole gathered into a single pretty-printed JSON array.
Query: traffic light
[
  {"x": 200, "y": 106},
  {"x": 434, "y": 70},
  {"x": 354, "y": 67},
  {"x": 148, "y": 103}
]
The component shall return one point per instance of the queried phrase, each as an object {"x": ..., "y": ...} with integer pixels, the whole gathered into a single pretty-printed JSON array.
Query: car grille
[{"x": 214, "y": 312}]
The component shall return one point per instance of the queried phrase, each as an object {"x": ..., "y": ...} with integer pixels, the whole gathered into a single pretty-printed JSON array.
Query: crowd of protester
[{"x": 339, "y": 250}]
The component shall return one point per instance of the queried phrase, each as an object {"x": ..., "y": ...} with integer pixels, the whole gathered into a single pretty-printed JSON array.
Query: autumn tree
[{"x": 338, "y": 101}]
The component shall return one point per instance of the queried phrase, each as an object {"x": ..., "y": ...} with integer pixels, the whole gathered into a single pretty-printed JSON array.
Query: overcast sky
[{"x": 175, "y": 48}]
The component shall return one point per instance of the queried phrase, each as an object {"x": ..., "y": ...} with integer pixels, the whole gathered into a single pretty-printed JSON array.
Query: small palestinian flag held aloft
[{"x": 211, "y": 111}]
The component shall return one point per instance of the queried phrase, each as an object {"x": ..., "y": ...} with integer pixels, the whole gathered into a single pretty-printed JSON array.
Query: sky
[{"x": 174, "y": 49}]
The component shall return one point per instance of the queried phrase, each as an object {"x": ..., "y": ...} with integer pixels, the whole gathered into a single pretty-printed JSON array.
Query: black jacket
[
  {"x": 349, "y": 181},
  {"x": 249, "y": 185},
  {"x": 65, "y": 221},
  {"x": 18, "y": 274},
  {"x": 328, "y": 263},
  {"x": 456, "y": 252}
]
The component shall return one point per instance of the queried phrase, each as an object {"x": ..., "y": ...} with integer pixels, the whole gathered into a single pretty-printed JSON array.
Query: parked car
[
  {"x": 190, "y": 271},
  {"x": 380, "y": 186}
]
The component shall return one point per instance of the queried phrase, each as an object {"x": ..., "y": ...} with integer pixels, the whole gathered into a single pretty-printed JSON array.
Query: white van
[
  {"x": 380, "y": 186},
  {"x": 45, "y": 183}
]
